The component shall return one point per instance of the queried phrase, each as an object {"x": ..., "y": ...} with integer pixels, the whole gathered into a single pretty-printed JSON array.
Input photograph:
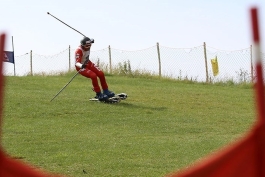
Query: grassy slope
[{"x": 162, "y": 126}]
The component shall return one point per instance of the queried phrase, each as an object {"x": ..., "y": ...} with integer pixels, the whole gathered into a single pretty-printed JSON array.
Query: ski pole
[{"x": 66, "y": 85}]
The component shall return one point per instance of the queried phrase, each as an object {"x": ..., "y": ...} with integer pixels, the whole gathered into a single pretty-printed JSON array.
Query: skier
[{"x": 90, "y": 70}]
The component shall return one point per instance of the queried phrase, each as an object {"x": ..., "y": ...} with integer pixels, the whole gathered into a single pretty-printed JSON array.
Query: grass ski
[{"x": 116, "y": 99}]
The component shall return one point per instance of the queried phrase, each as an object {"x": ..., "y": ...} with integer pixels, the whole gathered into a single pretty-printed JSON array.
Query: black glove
[
  {"x": 83, "y": 66},
  {"x": 85, "y": 63}
]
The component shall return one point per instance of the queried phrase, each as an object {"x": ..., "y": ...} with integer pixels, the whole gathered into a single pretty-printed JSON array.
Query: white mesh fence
[{"x": 179, "y": 63}]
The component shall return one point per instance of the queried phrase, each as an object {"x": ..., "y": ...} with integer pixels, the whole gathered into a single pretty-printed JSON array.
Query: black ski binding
[{"x": 116, "y": 99}]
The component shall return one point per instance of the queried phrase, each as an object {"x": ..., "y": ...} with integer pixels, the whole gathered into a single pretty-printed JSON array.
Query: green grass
[{"x": 164, "y": 125}]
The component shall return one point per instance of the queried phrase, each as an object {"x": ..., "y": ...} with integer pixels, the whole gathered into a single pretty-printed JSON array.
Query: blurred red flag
[
  {"x": 246, "y": 157},
  {"x": 10, "y": 167}
]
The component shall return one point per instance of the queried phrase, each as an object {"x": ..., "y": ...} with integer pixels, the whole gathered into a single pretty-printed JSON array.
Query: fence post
[
  {"x": 31, "y": 72},
  {"x": 14, "y": 57},
  {"x": 159, "y": 59},
  {"x": 110, "y": 67},
  {"x": 251, "y": 64},
  {"x": 69, "y": 59},
  {"x": 205, "y": 59}
]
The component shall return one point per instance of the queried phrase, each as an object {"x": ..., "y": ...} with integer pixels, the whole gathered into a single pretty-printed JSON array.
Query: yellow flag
[{"x": 215, "y": 66}]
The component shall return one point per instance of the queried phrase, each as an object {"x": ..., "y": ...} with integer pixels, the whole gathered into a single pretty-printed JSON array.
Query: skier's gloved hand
[{"x": 83, "y": 66}]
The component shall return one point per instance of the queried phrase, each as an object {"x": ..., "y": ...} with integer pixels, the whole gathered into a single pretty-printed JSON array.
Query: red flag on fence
[{"x": 246, "y": 157}]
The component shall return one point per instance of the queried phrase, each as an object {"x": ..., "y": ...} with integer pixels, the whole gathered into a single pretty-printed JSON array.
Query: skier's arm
[{"x": 78, "y": 58}]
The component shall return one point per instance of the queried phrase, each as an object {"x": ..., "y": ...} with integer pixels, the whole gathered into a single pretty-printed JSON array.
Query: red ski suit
[{"x": 91, "y": 70}]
